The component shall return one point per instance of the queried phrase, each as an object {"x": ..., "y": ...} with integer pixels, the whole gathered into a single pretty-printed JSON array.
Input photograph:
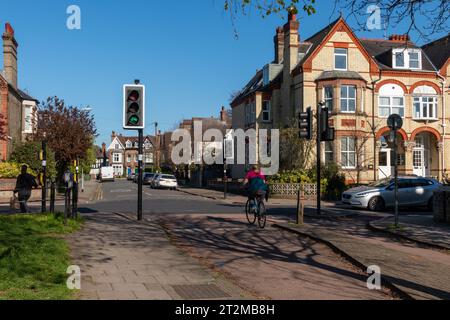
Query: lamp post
[{"x": 395, "y": 123}]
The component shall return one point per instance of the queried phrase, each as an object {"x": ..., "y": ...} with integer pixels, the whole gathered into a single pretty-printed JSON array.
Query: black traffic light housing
[
  {"x": 327, "y": 133},
  {"x": 133, "y": 107},
  {"x": 305, "y": 124}
]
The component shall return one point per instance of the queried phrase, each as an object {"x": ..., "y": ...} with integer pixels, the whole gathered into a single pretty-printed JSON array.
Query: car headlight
[{"x": 362, "y": 195}]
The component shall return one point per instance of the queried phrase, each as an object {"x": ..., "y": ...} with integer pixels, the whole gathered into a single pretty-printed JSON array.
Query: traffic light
[
  {"x": 327, "y": 133},
  {"x": 305, "y": 124},
  {"x": 133, "y": 107}
]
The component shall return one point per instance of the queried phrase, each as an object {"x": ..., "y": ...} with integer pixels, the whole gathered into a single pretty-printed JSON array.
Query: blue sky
[{"x": 185, "y": 53}]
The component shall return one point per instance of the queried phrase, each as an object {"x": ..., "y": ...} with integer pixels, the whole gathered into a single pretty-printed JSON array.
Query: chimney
[
  {"x": 279, "y": 45},
  {"x": 113, "y": 135},
  {"x": 399, "y": 38},
  {"x": 291, "y": 41},
  {"x": 223, "y": 115},
  {"x": 10, "y": 55}
]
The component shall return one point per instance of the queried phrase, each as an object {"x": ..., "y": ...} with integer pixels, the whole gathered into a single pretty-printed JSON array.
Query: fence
[
  {"x": 292, "y": 189},
  {"x": 288, "y": 190}
]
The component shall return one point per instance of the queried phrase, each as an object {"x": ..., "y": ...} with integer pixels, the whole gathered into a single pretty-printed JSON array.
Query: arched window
[
  {"x": 391, "y": 100},
  {"x": 425, "y": 103}
]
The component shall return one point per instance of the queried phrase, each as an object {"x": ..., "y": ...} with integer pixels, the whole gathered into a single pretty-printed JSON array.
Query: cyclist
[{"x": 255, "y": 182}]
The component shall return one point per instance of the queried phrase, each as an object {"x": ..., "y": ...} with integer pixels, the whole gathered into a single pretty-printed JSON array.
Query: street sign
[
  {"x": 395, "y": 122},
  {"x": 133, "y": 107}
]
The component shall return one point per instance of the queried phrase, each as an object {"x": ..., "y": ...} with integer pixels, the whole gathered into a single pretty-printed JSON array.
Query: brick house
[
  {"x": 123, "y": 153},
  {"x": 362, "y": 82},
  {"x": 16, "y": 106}
]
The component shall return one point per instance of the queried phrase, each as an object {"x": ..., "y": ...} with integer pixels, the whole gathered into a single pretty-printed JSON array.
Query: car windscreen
[
  {"x": 168, "y": 177},
  {"x": 149, "y": 175},
  {"x": 381, "y": 183}
]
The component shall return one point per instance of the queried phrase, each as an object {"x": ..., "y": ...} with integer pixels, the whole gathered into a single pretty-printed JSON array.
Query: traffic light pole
[
  {"x": 140, "y": 173},
  {"x": 319, "y": 162}
]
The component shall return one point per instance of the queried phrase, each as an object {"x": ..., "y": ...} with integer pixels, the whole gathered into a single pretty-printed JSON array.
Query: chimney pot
[{"x": 9, "y": 29}]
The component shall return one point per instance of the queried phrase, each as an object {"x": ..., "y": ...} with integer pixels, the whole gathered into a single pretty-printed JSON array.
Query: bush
[
  {"x": 10, "y": 170},
  {"x": 335, "y": 185},
  {"x": 29, "y": 153}
]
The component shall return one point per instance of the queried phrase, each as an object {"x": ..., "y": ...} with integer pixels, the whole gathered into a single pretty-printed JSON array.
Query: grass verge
[{"x": 34, "y": 257}]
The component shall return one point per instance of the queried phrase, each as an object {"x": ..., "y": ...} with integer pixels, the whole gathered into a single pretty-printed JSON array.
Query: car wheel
[
  {"x": 430, "y": 205},
  {"x": 376, "y": 204}
]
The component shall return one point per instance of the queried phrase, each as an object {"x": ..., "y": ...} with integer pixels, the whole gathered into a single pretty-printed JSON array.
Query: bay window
[
  {"x": 328, "y": 97},
  {"x": 348, "y": 152},
  {"x": 348, "y": 99},
  {"x": 329, "y": 152}
]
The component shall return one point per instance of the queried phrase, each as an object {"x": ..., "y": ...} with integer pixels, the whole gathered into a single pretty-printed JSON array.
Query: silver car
[{"x": 412, "y": 191}]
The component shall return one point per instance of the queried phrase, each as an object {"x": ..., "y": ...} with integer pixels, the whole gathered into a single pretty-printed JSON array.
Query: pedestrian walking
[{"x": 24, "y": 185}]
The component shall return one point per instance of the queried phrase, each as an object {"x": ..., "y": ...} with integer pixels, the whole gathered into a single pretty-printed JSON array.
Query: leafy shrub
[
  {"x": 335, "y": 185},
  {"x": 10, "y": 170},
  {"x": 29, "y": 153},
  {"x": 332, "y": 181}
]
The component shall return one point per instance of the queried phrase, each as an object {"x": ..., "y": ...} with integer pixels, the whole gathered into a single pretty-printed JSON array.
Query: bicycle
[{"x": 255, "y": 209}]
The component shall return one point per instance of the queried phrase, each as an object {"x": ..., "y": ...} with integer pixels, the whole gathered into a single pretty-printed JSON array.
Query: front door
[
  {"x": 385, "y": 168},
  {"x": 421, "y": 158}
]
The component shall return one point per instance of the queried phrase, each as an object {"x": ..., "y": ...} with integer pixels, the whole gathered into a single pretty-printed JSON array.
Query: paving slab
[
  {"x": 421, "y": 274},
  {"x": 420, "y": 228},
  {"x": 121, "y": 259}
]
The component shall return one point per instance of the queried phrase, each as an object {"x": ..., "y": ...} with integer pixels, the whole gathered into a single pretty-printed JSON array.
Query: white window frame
[
  {"x": 423, "y": 104},
  {"x": 348, "y": 99},
  {"x": 128, "y": 145},
  {"x": 340, "y": 54},
  {"x": 406, "y": 58},
  {"x": 390, "y": 106},
  {"x": 329, "y": 149},
  {"x": 266, "y": 111},
  {"x": 328, "y": 101},
  {"x": 116, "y": 156},
  {"x": 349, "y": 153}
]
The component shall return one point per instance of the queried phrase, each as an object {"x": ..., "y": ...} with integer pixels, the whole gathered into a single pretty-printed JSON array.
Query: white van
[{"x": 107, "y": 174}]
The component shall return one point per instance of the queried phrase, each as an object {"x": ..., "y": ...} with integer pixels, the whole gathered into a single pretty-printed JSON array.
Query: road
[{"x": 267, "y": 263}]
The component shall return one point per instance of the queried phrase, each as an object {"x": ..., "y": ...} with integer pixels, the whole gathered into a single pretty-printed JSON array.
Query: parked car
[
  {"x": 412, "y": 191},
  {"x": 106, "y": 174},
  {"x": 148, "y": 178},
  {"x": 165, "y": 181},
  {"x": 131, "y": 176}
]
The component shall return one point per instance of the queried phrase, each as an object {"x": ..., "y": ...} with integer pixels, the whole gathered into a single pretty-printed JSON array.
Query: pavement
[
  {"x": 123, "y": 260},
  {"x": 325, "y": 259},
  {"x": 420, "y": 273},
  {"x": 420, "y": 228}
]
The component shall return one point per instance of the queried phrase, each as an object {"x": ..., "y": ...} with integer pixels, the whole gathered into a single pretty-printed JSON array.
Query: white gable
[{"x": 113, "y": 144}]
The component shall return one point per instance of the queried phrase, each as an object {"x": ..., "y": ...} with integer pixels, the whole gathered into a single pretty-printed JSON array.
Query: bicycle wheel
[
  {"x": 251, "y": 216},
  {"x": 262, "y": 217}
]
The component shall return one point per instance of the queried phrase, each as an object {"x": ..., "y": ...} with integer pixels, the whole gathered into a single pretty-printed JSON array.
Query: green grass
[{"x": 34, "y": 257}]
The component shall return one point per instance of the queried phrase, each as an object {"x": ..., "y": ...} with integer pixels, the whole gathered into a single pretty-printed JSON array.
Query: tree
[
  {"x": 363, "y": 157},
  {"x": 295, "y": 153},
  {"x": 28, "y": 153},
  {"x": 434, "y": 15},
  {"x": 69, "y": 131},
  {"x": 3, "y": 133}
]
